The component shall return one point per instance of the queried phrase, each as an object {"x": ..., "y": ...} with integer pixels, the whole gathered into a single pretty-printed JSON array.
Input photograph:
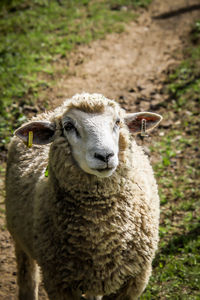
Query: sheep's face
[
  {"x": 94, "y": 140},
  {"x": 93, "y": 127}
]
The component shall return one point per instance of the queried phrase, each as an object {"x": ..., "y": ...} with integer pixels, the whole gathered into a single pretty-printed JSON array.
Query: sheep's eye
[
  {"x": 117, "y": 122},
  {"x": 69, "y": 126}
]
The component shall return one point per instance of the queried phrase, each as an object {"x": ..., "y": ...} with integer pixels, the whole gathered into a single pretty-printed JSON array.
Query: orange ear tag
[
  {"x": 30, "y": 139},
  {"x": 144, "y": 128}
]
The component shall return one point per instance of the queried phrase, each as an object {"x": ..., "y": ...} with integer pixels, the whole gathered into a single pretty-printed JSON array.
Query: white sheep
[{"x": 92, "y": 224}]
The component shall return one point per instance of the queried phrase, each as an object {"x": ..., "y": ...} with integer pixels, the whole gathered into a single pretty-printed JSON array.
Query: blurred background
[{"x": 145, "y": 54}]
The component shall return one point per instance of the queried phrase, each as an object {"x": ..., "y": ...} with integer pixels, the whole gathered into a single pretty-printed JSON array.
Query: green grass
[
  {"x": 35, "y": 34},
  {"x": 176, "y": 272}
]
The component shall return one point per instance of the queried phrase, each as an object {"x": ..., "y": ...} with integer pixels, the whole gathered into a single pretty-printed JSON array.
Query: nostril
[
  {"x": 109, "y": 155},
  {"x": 100, "y": 157},
  {"x": 104, "y": 158}
]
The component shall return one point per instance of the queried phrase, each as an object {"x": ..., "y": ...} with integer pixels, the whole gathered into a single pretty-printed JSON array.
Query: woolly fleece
[{"x": 88, "y": 234}]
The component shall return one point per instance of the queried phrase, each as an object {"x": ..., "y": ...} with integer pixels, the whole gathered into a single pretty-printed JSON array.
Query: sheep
[{"x": 91, "y": 225}]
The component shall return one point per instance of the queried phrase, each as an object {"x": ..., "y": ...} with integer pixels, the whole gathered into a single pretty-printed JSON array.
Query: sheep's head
[{"x": 92, "y": 126}]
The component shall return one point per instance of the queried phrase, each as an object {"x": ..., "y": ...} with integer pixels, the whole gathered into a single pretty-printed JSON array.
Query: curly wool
[{"x": 85, "y": 232}]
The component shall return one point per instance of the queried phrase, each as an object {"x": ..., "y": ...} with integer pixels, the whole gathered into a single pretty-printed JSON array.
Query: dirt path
[{"x": 129, "y": 67}]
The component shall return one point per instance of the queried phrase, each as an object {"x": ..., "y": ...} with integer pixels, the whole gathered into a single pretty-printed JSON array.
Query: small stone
[
  {"x": 161, "y": 133},
  {"x": 166, "y": 123},
  {"x": 31, "y": 108},
  {"x": 124, "y": 8}
]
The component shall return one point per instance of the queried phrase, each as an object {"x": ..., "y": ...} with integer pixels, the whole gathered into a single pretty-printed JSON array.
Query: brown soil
[{"x": 129, "y": 67}]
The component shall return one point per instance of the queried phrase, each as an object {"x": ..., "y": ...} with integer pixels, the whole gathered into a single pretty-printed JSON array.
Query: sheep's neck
[{"x": 87, "y": 188}]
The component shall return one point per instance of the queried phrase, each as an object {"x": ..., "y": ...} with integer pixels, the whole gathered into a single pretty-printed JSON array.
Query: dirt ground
[{"x": 129, "y": 67}]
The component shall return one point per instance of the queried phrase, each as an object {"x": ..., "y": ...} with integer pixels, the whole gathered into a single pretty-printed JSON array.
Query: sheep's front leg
[
  {"x": 27, "y": 275},
  {"x": 134, "y": 287}
]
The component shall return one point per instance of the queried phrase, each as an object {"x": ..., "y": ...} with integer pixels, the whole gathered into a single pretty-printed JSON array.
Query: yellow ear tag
[
  {"x": 30, "y": 139},
  {"x": 144, "y": 128}
]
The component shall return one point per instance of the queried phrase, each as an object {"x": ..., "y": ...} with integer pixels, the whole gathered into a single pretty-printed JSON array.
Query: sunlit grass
[{"x": 176, "y": 273}]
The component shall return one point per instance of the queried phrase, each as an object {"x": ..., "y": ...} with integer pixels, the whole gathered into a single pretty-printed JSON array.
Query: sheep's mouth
[{"x": 104, "y": 170}]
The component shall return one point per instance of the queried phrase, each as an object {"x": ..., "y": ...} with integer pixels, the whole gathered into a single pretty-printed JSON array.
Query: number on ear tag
[{"x": 143, "y": 128}]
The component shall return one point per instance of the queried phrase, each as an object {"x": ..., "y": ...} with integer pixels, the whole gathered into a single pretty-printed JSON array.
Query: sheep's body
[{"x": 89, "y": 235}]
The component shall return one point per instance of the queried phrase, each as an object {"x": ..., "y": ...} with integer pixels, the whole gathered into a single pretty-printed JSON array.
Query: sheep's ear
[
  {"x": 42, "y": 132},
  {"x": 142, "y": 121}
]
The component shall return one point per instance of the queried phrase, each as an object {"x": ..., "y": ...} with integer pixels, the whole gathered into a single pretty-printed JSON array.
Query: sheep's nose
[{"x": 105, "y": 157}]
